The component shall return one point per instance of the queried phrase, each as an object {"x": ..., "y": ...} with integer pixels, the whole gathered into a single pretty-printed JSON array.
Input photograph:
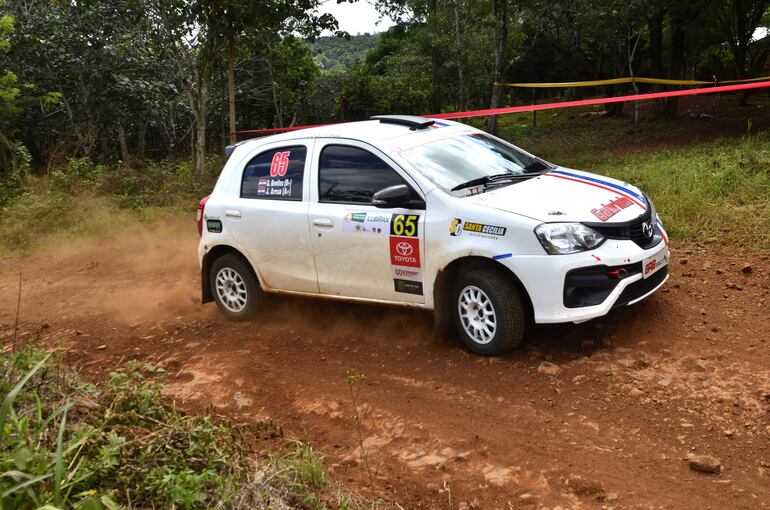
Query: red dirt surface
[{"x": 599, "y": 415}]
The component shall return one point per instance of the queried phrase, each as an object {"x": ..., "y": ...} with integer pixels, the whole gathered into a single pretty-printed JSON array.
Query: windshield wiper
[{"x": 490, "y": 180}]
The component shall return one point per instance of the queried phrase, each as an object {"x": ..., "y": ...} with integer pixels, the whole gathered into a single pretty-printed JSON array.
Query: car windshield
[{"x": 471, "y": 159}]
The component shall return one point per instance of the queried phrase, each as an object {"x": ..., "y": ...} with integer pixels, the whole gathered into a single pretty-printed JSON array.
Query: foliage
[
  {"x": 67, "y": 444},
  {"x": 151, "y": 79},
  {"x": 338, "y": 54}
]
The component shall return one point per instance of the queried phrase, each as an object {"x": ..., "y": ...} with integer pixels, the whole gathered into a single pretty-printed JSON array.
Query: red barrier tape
[
  {"x": 549, "y": 106},
  {"x": 604, "y": 100}
]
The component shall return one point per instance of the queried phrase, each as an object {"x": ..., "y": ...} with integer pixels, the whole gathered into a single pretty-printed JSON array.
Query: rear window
[{"x": 276, "y": 174}]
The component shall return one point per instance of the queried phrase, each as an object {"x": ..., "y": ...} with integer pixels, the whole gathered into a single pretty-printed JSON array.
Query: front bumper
[{"x": 545, "y": 277}]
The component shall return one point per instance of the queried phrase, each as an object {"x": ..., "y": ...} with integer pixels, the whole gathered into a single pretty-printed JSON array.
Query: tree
[
  {"x": 9, "y": 91},
  {"x": 739, "y": 20}
]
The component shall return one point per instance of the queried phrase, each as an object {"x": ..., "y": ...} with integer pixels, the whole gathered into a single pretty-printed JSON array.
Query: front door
[{"x": 362, "y": 251}]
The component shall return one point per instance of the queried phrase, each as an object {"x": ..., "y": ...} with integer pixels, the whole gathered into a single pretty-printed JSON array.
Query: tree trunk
[
  {"x": 500, "y": 13},
  {"x": 124, "y": 154},
  {"x": 656, "y": 54},
  {"x": 11, "y": 151},
  {"x": 274, "y": 86},
  {"x": 459, "y": 57},
  {"x": 231, "y": 87},
  {"x": 436, "y": 59},
  {"x": 199, "y": 105},
  {"x": 677, "y": 63},
  {"x": 141, "y": 143},
  {"x": 200, "y": 149}
]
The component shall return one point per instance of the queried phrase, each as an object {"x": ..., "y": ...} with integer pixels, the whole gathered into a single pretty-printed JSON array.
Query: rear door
[
  {"x": 362, "y": 251},
  {"x": 269, "y": 216}
]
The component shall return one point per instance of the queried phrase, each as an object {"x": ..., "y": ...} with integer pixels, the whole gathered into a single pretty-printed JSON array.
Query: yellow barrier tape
[{"x": 617, "y": 81}]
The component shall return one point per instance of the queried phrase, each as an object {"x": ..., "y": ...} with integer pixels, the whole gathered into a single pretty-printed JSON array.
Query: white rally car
[{"x": 432, "y": 214}]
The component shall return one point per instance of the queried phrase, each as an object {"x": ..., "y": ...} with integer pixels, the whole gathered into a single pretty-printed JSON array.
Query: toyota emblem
[
  {"x": 647, "y": 229},
  {"x": 404, "y": 249}
]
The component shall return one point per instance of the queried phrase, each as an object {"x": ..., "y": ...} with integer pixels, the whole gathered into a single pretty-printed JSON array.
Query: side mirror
[{"x": 392, "y": 196}]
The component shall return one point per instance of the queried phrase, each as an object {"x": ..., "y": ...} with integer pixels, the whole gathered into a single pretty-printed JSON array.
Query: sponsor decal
[
  {"x": 458, "y": 226},
  {"x": 407, "y": 273},
  {"x": 652, "y": 264},
  {"x": 363, "y": 222},
  {"x": 404, "y": 251},
  {"x": 214, "y": 225},
  {"x": 407, "y": 286},
  {"x": 279, "y": 164},
  {"x": 405, "y": 225},
  {"x": 613, "y": 207}
]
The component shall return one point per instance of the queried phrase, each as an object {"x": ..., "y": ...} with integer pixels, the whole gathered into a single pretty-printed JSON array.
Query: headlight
[{"x": 566, "y": 238}]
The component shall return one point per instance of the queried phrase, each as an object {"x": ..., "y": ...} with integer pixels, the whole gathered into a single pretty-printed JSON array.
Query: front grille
[
  {"x": 641, "y": 287},
  {"x": 630, "y": 230}
]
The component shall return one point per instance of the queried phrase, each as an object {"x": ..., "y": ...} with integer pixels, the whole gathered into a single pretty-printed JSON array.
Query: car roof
[{"x": 370, "y": 131}]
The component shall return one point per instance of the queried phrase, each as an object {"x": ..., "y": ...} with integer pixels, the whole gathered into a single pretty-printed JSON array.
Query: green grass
[{"x": 68, "y": 444}]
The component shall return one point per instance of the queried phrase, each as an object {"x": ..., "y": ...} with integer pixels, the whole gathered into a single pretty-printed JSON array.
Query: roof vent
[{"x": 412, "y": 121}]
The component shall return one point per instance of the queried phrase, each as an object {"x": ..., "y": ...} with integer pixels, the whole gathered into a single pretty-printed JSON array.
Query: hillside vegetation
[{"x": 338, "y": 54}]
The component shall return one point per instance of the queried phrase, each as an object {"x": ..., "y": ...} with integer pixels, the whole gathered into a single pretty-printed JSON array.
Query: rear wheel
[
  {"x": 235, "y": 287},
  {"x": 488, "y": 312}
]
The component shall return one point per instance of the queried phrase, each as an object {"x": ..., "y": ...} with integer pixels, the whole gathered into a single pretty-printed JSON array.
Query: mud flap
[{"x": 442, "y": 314}]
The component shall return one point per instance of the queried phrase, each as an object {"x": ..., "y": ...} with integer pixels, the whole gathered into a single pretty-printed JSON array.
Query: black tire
[
  {"x": 505, "y": 302},
  {"x": 250, "y": 290}
]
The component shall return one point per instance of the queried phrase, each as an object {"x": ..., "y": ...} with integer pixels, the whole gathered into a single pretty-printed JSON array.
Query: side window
[
  {"x": 351, "y": 175},
  {"x": 275, "y": 174}
]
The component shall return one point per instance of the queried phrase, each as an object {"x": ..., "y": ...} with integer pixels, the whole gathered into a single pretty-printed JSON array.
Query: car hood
[{"x": 568, "y": 195}]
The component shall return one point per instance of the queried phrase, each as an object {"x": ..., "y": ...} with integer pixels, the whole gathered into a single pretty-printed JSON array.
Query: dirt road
[{"x": 600, "y": 415}]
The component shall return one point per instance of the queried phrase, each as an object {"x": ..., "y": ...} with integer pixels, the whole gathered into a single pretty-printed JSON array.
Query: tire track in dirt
[{"x": 602, "y": 414}]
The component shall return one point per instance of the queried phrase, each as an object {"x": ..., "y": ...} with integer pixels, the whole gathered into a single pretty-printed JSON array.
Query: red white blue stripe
[
  {"x": 662, "y": 231},
  {"x": 637, "y": 198}
]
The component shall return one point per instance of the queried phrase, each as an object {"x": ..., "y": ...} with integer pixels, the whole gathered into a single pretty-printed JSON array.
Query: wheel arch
[
  {"x": 208, "y": 259},
  {"x": 442, "y": 288}
]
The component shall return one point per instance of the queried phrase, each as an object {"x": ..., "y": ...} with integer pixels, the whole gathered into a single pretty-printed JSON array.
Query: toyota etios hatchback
[{"x": 431, "y": 214}]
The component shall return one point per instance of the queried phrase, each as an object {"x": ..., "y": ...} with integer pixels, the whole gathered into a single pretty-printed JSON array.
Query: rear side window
[
  {"x": 351, "y": 175},
  {"x": 275, "y": 174}
]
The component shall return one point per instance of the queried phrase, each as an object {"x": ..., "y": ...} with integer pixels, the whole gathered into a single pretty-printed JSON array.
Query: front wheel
[
  {"x": 488, "y": 312},
  {"x": 236, "y": 289}
]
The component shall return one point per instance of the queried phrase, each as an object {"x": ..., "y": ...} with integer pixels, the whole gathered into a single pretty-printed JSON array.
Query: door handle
[
  {"x": 232, "y": 213},
  {"x": 323, "y": 222}
]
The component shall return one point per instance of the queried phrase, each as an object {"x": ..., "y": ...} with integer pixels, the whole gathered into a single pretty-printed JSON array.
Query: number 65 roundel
[{"x": 280, "y": 164}]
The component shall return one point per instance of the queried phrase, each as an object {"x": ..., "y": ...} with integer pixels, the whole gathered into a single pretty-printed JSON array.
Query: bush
[{"x": 80, "y": 174}]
